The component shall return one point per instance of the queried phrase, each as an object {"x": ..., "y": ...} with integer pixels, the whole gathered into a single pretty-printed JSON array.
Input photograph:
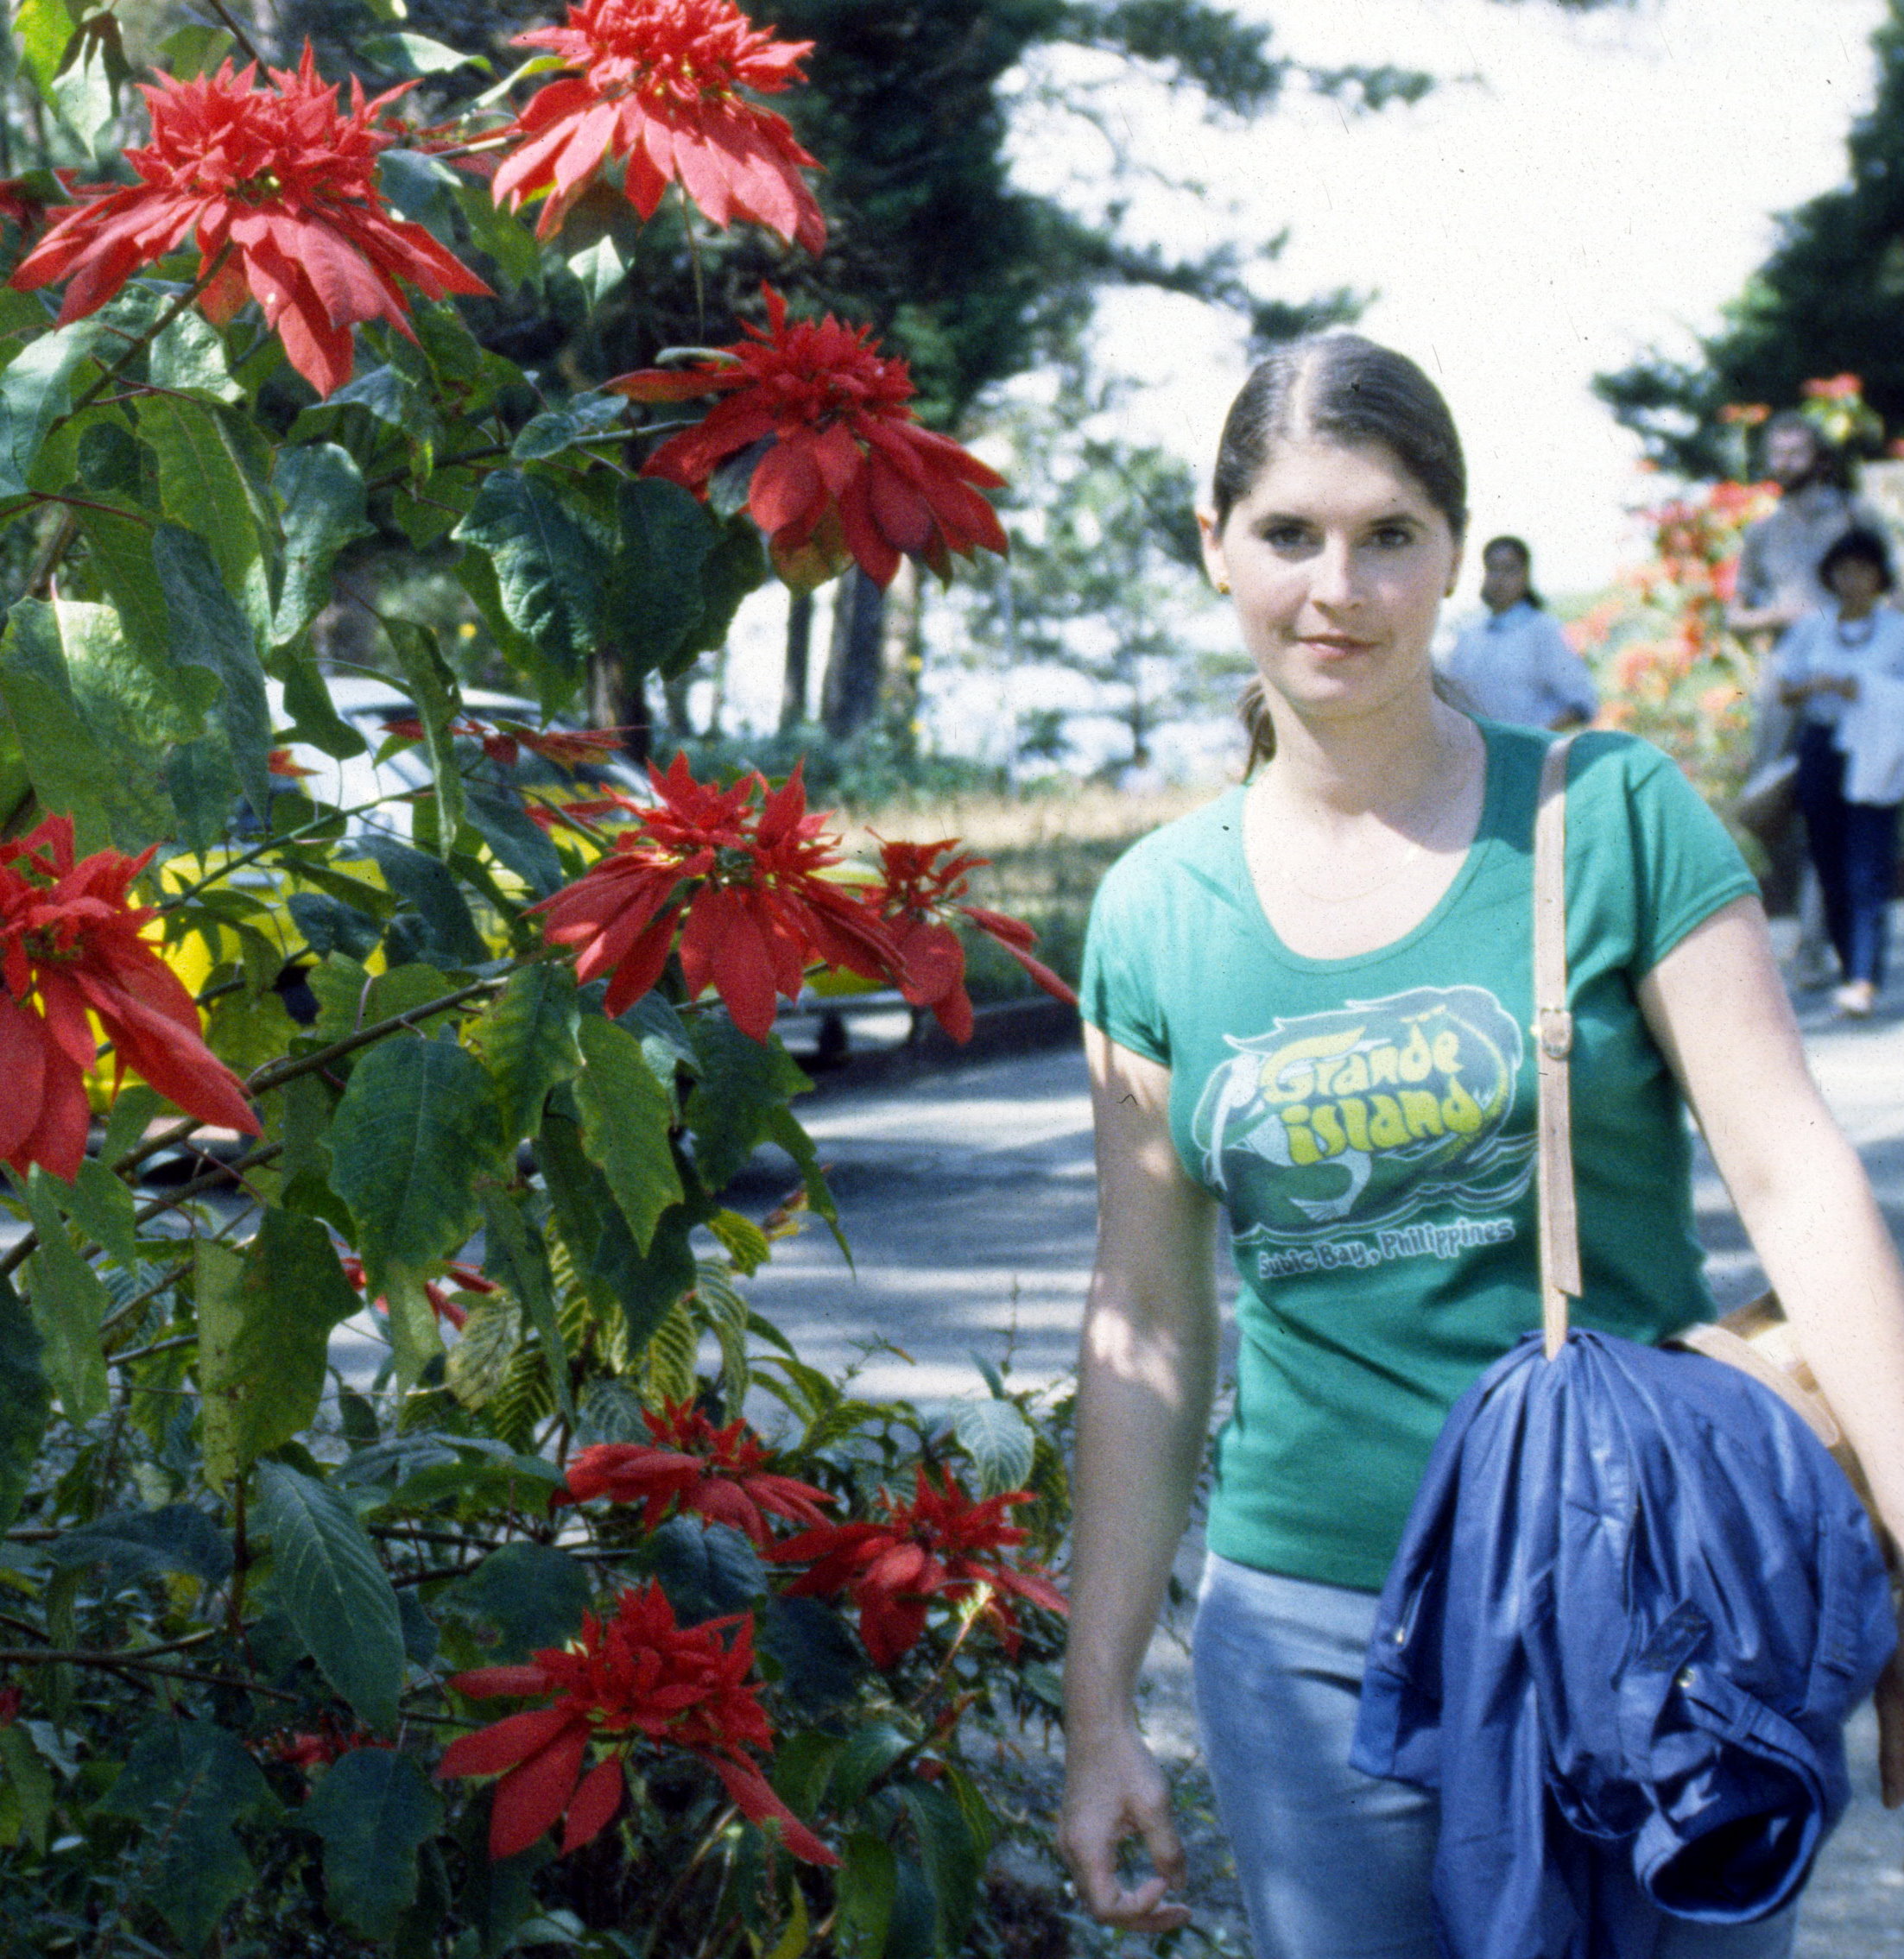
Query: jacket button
[{"x": 1686, "y": 1678}]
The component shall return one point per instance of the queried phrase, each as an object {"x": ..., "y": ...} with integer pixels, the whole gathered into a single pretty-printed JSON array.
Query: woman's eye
[
  {"x": 1286, "y": 537},
  {"x": 1394, "y": 537}
]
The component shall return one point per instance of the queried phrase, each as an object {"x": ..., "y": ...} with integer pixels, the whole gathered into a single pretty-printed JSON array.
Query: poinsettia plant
[{"x": 583, "y": 1615}]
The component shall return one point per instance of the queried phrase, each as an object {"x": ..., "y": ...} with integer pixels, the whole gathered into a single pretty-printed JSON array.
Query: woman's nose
[{"x": 1332, "y": 580}]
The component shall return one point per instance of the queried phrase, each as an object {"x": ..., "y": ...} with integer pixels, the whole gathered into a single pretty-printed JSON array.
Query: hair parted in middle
[{"x": 1342, "y": 389}]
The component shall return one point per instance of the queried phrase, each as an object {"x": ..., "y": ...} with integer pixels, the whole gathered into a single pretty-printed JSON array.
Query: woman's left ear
[
  {"x": 1454, "y": 572},
  {"x": 1212, "y": 550}
]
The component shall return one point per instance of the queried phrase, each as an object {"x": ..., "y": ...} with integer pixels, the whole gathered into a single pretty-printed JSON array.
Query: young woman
[
  {"x": 1515, "y": 665},
  {"x": 1305, "y": 1009},
  {"x": 1820, "y": 667}
]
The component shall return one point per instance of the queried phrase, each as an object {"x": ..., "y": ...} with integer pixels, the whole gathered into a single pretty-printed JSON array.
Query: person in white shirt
[
  {"x": 1515, "y": 665},
  {"x": 1823, "y": 666}
]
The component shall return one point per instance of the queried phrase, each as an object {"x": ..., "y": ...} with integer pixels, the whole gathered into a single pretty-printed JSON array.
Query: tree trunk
[
  {"x": 800, "y": 648},
  {"x": 614, "y": 702},
  {"x": 850, "y": 696}
]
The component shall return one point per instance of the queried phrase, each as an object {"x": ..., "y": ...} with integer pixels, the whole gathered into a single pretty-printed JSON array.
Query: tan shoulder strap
[{"x": 1553, "y": 1039}]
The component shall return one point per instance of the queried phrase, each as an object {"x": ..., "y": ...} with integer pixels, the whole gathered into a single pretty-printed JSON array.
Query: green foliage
[{"x": 1824, "y": 303}]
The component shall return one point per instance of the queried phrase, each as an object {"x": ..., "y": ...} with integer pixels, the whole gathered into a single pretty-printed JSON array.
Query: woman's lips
[{"x": 1338, "y": 648}]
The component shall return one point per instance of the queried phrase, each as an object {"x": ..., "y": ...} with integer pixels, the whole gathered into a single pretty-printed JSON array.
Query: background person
[
  {"x": 1515, "y": 665},
  {"x": 1779, "y": 579},
  {"x": 1259, "y": 976},
  {"x": 1818, "y": 670}
]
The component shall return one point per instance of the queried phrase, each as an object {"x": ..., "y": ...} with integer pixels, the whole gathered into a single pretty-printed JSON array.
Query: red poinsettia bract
[
  {"x": 442, "y": 1306},
  {"x": 567, "y": 747},
  {"x": 942, "y": 1543},
  {"x": 71, "y": 943},
  {"x": 743, "y": 866},
  {"x": 919, "y": 888},
  {"x": 660, "y": 87},
  {"x": 285, "y": 181},
  {"x": 633, "y": 1677},
  {"x": 720, "y": 1474},
  {"x": 850, "y": 474}
]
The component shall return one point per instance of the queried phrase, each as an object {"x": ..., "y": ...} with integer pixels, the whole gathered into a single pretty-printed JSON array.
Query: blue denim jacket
[{"x": 1634, "y": 1602}]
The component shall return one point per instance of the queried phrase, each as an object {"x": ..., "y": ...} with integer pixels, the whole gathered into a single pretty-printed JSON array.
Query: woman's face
[
  {"x": 1504, "y": 577},
  {"x": 1337, "y": 563}
]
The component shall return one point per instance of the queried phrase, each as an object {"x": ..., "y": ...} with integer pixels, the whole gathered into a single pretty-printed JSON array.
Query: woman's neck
[
  {"x": 1850, "y": 611},
  {"x": 1386, "y": 764}
]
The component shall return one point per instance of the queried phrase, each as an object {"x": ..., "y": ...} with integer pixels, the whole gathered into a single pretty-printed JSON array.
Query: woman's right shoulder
[{"x": 1204, "y": 843}]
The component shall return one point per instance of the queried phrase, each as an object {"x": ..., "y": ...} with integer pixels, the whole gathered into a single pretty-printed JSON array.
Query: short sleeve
[
  {"x": 1686, "y": 866},
  {"x": 1118, "y": 991}
]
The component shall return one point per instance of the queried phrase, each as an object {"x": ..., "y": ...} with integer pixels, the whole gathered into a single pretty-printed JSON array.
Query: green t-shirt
[{"x": 1369, "y": 1125}]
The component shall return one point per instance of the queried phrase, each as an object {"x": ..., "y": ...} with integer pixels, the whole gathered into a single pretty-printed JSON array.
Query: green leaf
[
  {"x": 202, "y": 784},
  {"x": 1000, "y": 1442},
  {"x": 374, "y": 1810},
  {"x": 101, "y": 1206},
  {"x": 425, "y": 884},
  {"x": 219, "y": 1272},
  {"x": 820, "y": 1662},
  {"x": 599, "y": 269},
  {"x": 414, "y": 1130},
  {"x": 45, "y": 28},
  {"x": 743, "y": 1084},
  {"x": 656, "y": 600},
  {"x": 69, "y": 769},
  {"x": 214, "y": 479},
  {"x": 291, "y": 1291},
  {"x": 307, "y": 701},
  {"x": 191, "y": 51},
  {"x": 68, "y": 1303},
  {"x": 24, "y": 1778},
  {"x": 325, "y": 506},
  {"x": 556, "y": 430},
  {"x": 736, "y": 566},
  {"x": 209, "y": 630},
  {"x": 186, "y": 1782},
  {"x": 550, "y": 574},
  {"x": 432, "y": 686},
  {"x": 626, "y": 1114},
  {"x": 35, "y": 390},
  {"x": 527, "y": 1040},
  {"x": 26, "y": 1400},
  {"x": 479, "y": 1362},
  {"x": 499, "y": 819},
  {"x": 864, "y": 1890},
  {"x": 955, "y": 1865},
  {"x": 706, "y": 1569},
  {"x": 175, "y": 1538},
  {"x": 509, "y": 243},
  {"x": 531, "y": 1595},
  {"x": 869, "y": 1753},
  {"x": 513, "y": 1255},
  {"x": 555, "y": 682},
  {"x": 326, "y": 1577},
  {"x": 119, "y": 552},
  {"x": 742, "y": 1240},
  {"x": 410, "y": 54},
  {"x": 349, "y": 997},
  {"x": 187, "y": 354}
]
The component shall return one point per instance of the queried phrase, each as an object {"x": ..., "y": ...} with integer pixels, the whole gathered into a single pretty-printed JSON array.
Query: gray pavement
[{"x": 968, "y": 1200}]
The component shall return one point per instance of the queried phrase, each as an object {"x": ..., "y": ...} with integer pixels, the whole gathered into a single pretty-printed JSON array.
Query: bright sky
[{"x": 1578, "y": 188}]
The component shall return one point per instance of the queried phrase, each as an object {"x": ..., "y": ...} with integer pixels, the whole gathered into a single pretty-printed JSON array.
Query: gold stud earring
[{"x": 1223, "y": 586}]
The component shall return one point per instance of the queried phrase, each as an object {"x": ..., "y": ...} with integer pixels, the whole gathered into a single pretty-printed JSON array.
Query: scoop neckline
[{"x": 1486, "y": 830}]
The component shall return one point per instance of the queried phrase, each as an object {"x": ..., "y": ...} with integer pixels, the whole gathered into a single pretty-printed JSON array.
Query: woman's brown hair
[{"x": 1337, "y": 388}]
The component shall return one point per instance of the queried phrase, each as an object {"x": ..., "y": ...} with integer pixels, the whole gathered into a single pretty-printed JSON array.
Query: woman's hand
[{"x": 1115, "y": 1790}]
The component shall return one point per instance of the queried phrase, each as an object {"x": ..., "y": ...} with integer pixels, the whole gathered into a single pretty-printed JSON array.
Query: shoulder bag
[{"x": 1755, "y": 1337}]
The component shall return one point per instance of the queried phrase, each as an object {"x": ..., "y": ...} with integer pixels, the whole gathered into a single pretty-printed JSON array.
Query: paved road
[{"x": 968, "y": 1200}]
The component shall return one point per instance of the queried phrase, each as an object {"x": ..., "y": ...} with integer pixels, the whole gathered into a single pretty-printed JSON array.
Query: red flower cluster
[
  {"x": 567, "y": 747},
  {"x": 719, "y": 1473},
  {"x": 1834, "y": 388},
  {"x": 920, "y": 885},
  {"x": 71, "y": 945},
  {"x": 636, "y": 1676},
  {"x": 330, "y": 1742},
  {"x": 441, "y": 1305},
  {"x": 660, "y": 87},
  {"x": 942, "y": 1543},
  {"x": 743, "y": 865},
  {"x": 850, "y": 474},
  {"x": 282, "y": 180}
]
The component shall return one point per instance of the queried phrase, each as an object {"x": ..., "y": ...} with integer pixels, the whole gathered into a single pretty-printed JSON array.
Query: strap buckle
[{"x": 1553, "y": 1026}]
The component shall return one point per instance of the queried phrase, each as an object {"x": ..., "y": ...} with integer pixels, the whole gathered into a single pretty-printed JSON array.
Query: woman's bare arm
[
  {"x": 1147, "y": 1372},
  {"x": 1718, "y": 1010}
]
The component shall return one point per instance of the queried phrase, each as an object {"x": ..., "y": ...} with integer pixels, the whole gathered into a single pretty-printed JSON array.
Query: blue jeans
[
  {"x": 1335, "y": 1864},
  {"x": 1854, "y": 847}
]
